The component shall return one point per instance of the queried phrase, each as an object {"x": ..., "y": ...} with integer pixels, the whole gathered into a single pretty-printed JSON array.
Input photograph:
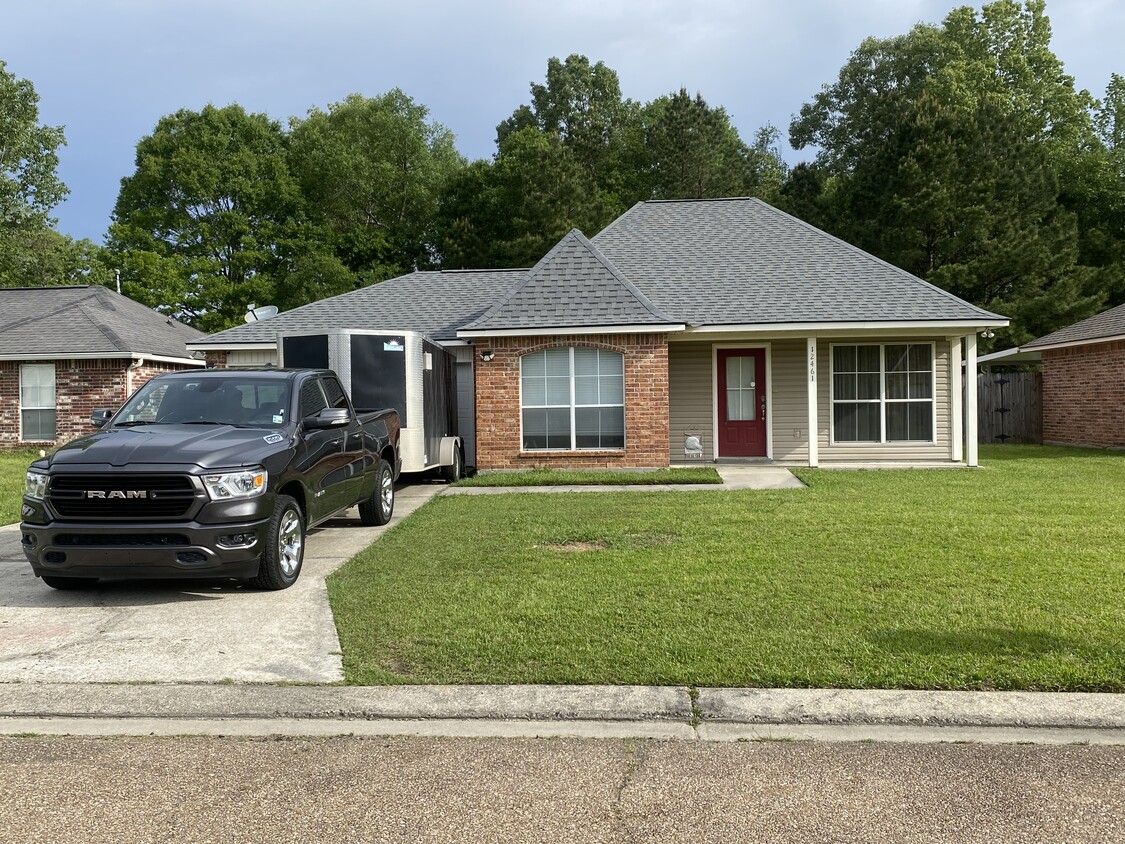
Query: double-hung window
[
  {"x": 37, "y": 402},
  {"x": 572, "y": 399},
  {"x": 883, "y": 393}
]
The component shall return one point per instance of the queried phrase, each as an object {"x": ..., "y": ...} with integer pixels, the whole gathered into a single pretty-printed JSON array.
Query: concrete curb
[
  {"x": 912, "y": 708},
  {"x": 174, "y": 700},
  {"x": 716, "y": 709}
]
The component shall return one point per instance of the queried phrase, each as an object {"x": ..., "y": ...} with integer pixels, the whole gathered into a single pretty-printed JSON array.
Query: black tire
[
  {"x": 378, "y": 507},
  {"x": 285, "y": 547},
  {"x": 453, "y": 473},
  {"x": 68, "y": 582}
]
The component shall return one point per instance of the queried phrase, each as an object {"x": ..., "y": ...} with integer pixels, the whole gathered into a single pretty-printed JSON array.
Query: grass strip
[{"x": 594, "y": 477}]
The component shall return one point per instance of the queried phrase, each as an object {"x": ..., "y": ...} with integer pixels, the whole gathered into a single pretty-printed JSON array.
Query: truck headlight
[
  {"x": 35, "y": 485},
  {"x": 236, "y": 484}
]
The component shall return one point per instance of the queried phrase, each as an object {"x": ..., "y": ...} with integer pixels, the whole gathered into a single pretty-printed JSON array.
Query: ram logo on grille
[{"x": 117, "y": 493}]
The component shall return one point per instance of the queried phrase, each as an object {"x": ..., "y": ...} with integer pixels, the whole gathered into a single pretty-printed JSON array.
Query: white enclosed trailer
[{"x": 403, "y": 370}]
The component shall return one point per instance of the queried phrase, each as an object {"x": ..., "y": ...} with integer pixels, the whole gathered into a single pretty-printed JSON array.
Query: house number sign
[{"x": 812, "y": 364}]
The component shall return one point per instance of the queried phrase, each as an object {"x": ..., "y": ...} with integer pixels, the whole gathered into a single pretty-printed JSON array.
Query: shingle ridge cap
[
  {"x": 899, "y": 270},
  {"x": 67, "y": 305},
  {"x": 635, "y": 291},
  {"x": 517, "y": 288}
]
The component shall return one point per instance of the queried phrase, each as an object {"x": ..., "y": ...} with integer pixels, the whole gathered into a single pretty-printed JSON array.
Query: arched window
[{"x": 572, "y": 399}]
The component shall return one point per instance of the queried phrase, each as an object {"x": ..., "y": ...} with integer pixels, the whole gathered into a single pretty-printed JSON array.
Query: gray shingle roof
[
  {"x": 1109, "y": 323},
  {"x": 574, "y": 285},
  {"x": 432, "y": 302},
  {"x": 86, "y": 320},
  {"x": 734, "y": 261},
  {"x": 699, "y": 262}
]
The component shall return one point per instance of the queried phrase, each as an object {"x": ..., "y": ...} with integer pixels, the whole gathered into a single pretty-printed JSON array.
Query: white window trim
[
  {"x": 882, "y": 401},
  {"x": 573, "y": 430},
  {"x": 54, "y": 407},
  {"x": 715, "y": 347}
]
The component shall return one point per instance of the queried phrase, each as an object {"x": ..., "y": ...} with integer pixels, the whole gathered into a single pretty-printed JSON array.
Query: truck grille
[
  {"x": 164, "y": 496},
  {"x": 122, "y": 540}
]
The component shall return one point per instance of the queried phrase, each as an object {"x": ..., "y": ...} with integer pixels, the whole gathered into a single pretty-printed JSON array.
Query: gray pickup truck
[{"x": 212, "y": 473}]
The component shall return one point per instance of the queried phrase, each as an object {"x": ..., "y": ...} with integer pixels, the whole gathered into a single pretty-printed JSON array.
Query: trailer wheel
[
  {"x": 285, "y": 547},
  {"x": 378, "y": 508},
  {"x": 68, "y": 582},
  {"x": 453, "y": 472}
]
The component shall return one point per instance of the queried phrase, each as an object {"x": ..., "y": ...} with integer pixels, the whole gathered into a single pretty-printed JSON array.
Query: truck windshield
[{"x": 237, "y": 399}]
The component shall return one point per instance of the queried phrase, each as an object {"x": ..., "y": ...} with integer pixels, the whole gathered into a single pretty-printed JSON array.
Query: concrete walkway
[
  {"x": 735, "y": 476},
  {"x": 662, "y": 712}
]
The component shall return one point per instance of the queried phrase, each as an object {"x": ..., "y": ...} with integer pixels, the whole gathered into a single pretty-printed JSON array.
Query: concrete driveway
[{"x": 181, "y": 630}]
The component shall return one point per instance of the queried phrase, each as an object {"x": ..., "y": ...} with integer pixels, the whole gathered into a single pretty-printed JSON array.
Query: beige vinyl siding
[
  {"x": 864, "y": 452},
  {"x": 790, "y": 416},
  {"x": 251, "y": 357},
  {"x": 690, "y": 397},
  {"x": 691, "y": 405}
]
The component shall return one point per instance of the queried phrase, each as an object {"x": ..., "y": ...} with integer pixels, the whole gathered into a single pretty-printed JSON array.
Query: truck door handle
[{"x": 337, "y": 442}]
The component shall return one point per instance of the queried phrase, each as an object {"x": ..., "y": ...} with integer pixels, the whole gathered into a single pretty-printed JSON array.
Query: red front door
[{"x": 742, "y": 402}]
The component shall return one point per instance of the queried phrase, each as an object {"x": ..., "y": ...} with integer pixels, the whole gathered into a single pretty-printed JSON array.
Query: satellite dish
[{"x": 255, "y": 314}]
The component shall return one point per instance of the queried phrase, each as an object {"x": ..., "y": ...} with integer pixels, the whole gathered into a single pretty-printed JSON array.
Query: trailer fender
[{"x": 446, "y": 451}]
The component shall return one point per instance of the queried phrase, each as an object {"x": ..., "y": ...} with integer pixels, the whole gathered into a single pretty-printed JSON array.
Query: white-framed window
[
  {"x": 37, "y": 402},
  {"x": 883, "y": 392},
  {"x": 572, "y": 399}
]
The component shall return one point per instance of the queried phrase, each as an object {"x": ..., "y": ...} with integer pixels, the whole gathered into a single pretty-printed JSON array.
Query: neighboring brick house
[
  {"x": 65, "y": 351},
  {"x": 1083, "y": 381},
  {"x": 706, "y": 329}
]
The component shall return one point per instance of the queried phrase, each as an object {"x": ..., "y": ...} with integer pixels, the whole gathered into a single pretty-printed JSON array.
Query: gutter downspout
[{"x": 133, "y": 367}]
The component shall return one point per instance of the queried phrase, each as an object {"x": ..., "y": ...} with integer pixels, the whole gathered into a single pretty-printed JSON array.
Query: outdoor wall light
[
  {"x": 487, "y": 355},
  {"x": 988, "y": 334}
]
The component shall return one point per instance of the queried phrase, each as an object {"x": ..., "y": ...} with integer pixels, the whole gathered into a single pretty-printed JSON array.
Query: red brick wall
[
  {"x": 81, "y": 386},
  {"x": 1084, "y": 395},
  {"x": 216, "y": 359},
  {"x": 646, "y": 403}
]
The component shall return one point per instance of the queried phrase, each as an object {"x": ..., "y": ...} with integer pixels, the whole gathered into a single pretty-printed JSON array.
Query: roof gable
[
  {"x": 573, "y": 286},
  {"x": 85, "y": 320}
]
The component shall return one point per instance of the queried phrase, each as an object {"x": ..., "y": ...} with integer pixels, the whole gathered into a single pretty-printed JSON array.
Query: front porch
[{"x": 755, "y": 400}]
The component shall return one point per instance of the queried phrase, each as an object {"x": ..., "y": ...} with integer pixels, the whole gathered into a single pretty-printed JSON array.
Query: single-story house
[
  {"x": 1083, "y": 380},
  {"x": 65, "y": 351},
  {"x": 703, "y": 329}
]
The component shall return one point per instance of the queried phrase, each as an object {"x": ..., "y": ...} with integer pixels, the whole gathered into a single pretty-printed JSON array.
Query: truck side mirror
[
  {"x": 100, "y": 416},
  {"x": 330, "y": 417}
]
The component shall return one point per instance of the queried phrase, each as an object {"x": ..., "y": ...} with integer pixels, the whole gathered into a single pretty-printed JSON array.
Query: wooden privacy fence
[{"x": 1010, "y": 407}]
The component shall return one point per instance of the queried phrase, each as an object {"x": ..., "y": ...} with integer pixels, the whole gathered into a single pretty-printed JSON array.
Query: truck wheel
[
  {"x": 68, "y": 582},
  {"x": 453, "y": 473},
  {"x": 285, "y": 547},
  {"x": 378, "y": 508}
]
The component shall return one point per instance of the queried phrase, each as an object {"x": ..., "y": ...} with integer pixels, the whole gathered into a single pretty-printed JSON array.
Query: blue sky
[{"x": 108, "y": 70}]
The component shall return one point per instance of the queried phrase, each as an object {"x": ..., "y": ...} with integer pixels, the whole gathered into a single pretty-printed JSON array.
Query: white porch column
[
  {"x": 957, "y": 380},
  {"x": 971, "y": 399},
  {"x": 810, "y": 352}
]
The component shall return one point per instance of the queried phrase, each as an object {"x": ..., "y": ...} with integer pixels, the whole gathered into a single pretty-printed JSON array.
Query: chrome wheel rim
[
  {"x": 289, "y": 542},
  {"x": 386, "y": 492}
]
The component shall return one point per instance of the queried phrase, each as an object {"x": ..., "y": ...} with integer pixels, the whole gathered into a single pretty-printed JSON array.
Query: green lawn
[
  {"x": 13, "y": 467},
  {"x": 571, "y": 477},
  {"x": 1010, "y": 577}
]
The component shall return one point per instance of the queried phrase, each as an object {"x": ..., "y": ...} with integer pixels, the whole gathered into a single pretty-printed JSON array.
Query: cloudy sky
[{"x": 108, "y": 70}]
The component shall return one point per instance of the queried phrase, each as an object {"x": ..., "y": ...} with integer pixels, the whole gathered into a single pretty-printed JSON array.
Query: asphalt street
[{"x": 553, "y": 790}]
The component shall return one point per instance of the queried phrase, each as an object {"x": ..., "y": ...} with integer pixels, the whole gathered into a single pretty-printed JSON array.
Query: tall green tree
[
  {"x": 697, "y": 153},
  {"x": 29, "y": 185},
  {"x": 211, "y": 219},
  {"x": 373, "y": 171},
  {"x": 581, "y": 104},
  {"x": 943, "y": 151}
]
